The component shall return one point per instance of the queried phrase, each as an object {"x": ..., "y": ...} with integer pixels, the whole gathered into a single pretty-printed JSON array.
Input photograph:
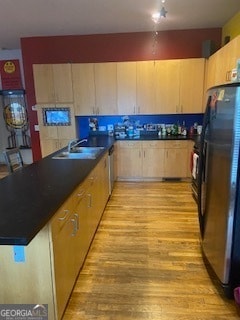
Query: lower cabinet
[
  {"x": 153, "y": 160},
  {"x": 51, "y": 262},
  {"x": 82, "y": 213}
]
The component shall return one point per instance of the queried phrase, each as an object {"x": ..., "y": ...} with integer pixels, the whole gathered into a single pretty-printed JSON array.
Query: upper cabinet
[
  {"x": 191, "y": 85},
  {"x": 124, "y": 88},
  {"x": 221, "y": 63},
  {"x": 53, "y": 83},
  {"x": 127, "y": 88},
  {"x": 83, "y": 88},
  {"x": 167, "y": 82},
  {"x": 176, "y": 86},
  {"x": 105, "y": 88},
  {"x": 95, "y": 88},
  {"x": 146, "y": 87}
]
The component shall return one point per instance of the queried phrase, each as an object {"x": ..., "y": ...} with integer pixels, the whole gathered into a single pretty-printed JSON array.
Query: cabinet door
[
  {"x": 129, "y": 160},
  {"x": 65, "y": 273},
  {"x": 53, "y": 83},
  {"x": 146, "y": 87},
  {"x": 83, "y": 88},
  {"x": 106, "y": 88},
  {"x": 167, "y": 78},
  {"x": 176, "y": 159},
  {"x": 62, "y": 77},
  {"x": 153, "y": 159},
  {"x": 44, "y": 83},
  {"x": 126, "y": 88},
  {"x": 191, "y": 85}
]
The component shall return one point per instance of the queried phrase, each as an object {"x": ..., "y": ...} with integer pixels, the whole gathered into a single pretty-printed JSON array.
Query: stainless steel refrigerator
[{"x": 219, "y": 187}]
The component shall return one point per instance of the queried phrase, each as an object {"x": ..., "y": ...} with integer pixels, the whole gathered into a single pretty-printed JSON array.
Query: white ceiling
[{"x": 27, "y": 18}]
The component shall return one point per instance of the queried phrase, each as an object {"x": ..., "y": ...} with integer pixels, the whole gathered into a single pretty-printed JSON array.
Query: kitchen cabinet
[
  {"x": 64, "y": 231},
  {"x": 127, "y": 88},
  {"x": 53, "y": 83},
  {"x": 167, "y": 79},
  {"x": 179, "y": 86},
  {"x": 221, "y": 63},
  {"x": 95, "y": 88},
  {"x": 153, "y": 160},
  {"x": 146, "y": 87},
  {"x": 48, "y": 266},
  {"x": 83, "y": 88},
  {"x": 129, "y": 159},
  {"x": 105, "y": 88},
  {"x": 191, "y": 92},
  {"x": 53, "y": 138},
  {"x": 177, "y": 157}
]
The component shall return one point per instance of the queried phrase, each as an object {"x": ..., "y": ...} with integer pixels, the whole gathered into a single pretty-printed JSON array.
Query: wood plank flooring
[{"x": 145, "y": 261}]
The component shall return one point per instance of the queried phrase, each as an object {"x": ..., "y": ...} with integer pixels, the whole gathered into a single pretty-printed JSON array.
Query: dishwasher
[{"x": 111, "y": 168}]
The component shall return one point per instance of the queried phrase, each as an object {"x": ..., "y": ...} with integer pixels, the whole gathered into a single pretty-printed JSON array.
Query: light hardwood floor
[{"x": 145, "y": 261}]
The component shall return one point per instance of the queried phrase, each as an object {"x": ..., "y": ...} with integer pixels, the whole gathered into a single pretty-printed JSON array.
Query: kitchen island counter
[{"x": 30, "y": 196}]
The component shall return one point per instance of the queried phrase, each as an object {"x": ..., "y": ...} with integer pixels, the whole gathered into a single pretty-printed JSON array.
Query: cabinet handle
[
  {"x": 73, "y": 234},
  {"x": 77, "y": 220},
  {"x": 80, "y": 194},
  {"x": 144, "y": 154},
  {"x": 89, "y": 200},
  {"x": 65, "y": 215}
]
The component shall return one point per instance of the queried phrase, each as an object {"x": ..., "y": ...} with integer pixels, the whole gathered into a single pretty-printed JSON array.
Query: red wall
[{"x": 105, "y": 48}]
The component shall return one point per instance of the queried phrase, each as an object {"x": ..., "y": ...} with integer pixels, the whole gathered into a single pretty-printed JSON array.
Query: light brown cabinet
[
  {"x": 180, "y": 86},
  {"x": 83, "y": 88},
  {"x": 176, "y": 159},
  {"x": 127, "y": 88},
  {"x": 53, "y": 138},
  {"x": 153, "y": 160},
  {"x": 221, "y": 63},
  {"x": 53, "y": 83},
  {"x": 106, "y": 88},
  {"x": 95, "y": 88},
  {"x": 167, "y": 80},
  {"x": 191, "y": 91},
  {"x": 146, "y": 87},
  {"x": 55, "y": 255},
  {"x": 170, "y": 86},
  {"x": 129, "y": 159}
]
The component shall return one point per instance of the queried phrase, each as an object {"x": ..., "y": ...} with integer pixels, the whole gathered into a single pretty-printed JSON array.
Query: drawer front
[
  {"x": 130, "y": 144},
  {"x": 176, "y": 144},
  {"x": 154, "y": 144}
]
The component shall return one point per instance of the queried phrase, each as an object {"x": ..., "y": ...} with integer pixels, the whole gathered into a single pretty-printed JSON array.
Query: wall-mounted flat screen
[{"x": 56, "y": 116}]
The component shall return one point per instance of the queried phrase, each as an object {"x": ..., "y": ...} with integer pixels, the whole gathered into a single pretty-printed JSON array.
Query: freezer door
[{"x": 218, "y": 221}]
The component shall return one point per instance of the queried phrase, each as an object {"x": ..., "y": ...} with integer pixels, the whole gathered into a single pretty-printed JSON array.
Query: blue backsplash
[{"x": 82, "y": 122}]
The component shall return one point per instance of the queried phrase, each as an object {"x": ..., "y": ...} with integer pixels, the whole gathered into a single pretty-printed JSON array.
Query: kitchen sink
[{"x": 80, "y": 153}]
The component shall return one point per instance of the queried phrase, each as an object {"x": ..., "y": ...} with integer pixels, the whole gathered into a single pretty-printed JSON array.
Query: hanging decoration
[
  {"x": 156, "y": 18},
  {"x": 10, "y": 75}
]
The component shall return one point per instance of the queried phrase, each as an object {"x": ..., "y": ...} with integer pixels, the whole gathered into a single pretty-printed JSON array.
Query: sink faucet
[{"x": 74, "y": 143}]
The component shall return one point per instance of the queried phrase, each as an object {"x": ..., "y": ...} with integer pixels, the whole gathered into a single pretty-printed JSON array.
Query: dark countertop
[{"x": 30, "y": 196}]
